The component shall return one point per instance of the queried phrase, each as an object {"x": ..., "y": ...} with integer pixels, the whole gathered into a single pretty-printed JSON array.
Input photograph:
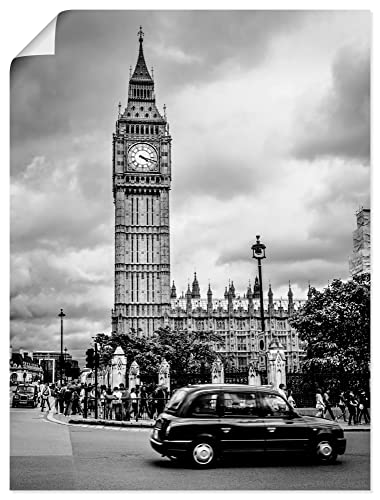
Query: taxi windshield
[{"x": 176, "y": 400}]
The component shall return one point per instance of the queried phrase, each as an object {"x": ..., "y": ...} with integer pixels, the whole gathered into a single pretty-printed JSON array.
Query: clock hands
[{"x": 147, "y": 159}]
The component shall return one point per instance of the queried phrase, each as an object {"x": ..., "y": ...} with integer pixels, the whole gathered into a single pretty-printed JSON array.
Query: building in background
[
  {"x": 23, "y": 368},
  {"x": 236, "y": 319},
  {"x": 360, "y": 260},
  {"x": 49, "y": 361},
  {"x": 143, "y": 300}
]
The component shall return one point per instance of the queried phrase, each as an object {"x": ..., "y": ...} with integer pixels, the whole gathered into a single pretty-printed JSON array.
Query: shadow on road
[{"x": 243, "y": 461}]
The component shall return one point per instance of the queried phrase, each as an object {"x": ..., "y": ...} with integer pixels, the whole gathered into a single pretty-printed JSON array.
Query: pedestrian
[
  {"x": 342, "y": 405},
  {"x": 160, "y": 399},
  {"x": 45, "y": 395},
  {"x": 68, "y": 401},
  {"x": 126, "y": 403},
  {"x": 352, "y": 405},
  {"x": 363, "y": 408},
  {"x": 56, "y": 394},
  {"x": 134, "y": 404},
  {"x": 75, "y": 405},
  {"x": 143, "y": 401},
  {"x": 327, "y": 402},
  {"x": 282, "y": 390},
  {"x": 319, "y": 404},
  {"x": 108, "y": 398},
  {"x": 40, "y": 389},
  {"x": 117, "y": 403},
  {"x": 291, "y": 399}
]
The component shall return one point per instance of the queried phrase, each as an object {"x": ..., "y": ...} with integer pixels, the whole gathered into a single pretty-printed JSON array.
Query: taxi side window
[
  {"x": 240, "y": 404},
  {"x": 204, "y": 405},
  {"x": 274, "y": 405}
]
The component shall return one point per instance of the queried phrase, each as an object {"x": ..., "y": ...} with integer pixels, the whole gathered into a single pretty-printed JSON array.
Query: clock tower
[{"x": 141, "y": 182}]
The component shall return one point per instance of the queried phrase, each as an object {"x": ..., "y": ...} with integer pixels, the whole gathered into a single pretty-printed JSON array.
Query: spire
[
  {"x": 309, "y": 292},
  {"x": 256, "y": 289},
  {"x": 209, "y": 292},
  {"x": 249, "y": 292},
  {"x": 141, "y": 73},
  {"x": 225, "y": 293},
  {"x": 232, "y": 290},
  {"x": 195, "y": 292},
  {"x": 290, "y": 294},
  {"x": 173, "y": 293},
  {"x": 270, "y": 295}
]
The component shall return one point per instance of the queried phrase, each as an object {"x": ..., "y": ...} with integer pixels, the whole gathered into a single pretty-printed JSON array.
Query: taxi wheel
[
  {"x": 203, "y": 453},
  {"x": 325, "y": 451}
]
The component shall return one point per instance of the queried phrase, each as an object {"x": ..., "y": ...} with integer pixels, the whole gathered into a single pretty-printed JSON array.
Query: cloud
[{"x": 340, "y": 127}]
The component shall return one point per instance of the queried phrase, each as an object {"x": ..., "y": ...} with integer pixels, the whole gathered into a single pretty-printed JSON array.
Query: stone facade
[
  {"x": 141, "y": 184},
  {"x": 237, "y": 320},
  {"x": 360, "y": 260},
  {"x": 23, "y": 368}
]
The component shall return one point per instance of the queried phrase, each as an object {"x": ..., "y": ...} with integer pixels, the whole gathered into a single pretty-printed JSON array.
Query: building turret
[
  {"x": 290, "y": 300},
  {"x": 256, "y": 289},
  {"x": 173, "y": 292},
  {"x": 309, "y": 292},
  {"x": 188, "y": 299},
  {"x": 232, "y": 290},
  {"x": 209, "y": 300},
  {"x": 270, "y": 300},
  {"x": 195, "y": 293},
  {"x": 225, "y": 293}
]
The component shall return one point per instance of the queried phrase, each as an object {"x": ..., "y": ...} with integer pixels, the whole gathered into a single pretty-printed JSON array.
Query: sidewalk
[{"x": 78, "y": 420}]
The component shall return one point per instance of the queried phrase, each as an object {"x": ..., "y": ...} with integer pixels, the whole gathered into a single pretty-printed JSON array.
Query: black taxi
[
  {"x": 25, "y": 395},
  {"x": 203, "y": 422}
]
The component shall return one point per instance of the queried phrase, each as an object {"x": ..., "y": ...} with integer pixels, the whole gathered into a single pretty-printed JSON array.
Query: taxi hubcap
[
  {"x": 203, "y": 453},
  {"x": 324, "y": 449}
]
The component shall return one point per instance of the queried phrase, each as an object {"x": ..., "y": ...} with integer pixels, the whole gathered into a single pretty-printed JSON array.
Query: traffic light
[{"x": 90, "y": 359}]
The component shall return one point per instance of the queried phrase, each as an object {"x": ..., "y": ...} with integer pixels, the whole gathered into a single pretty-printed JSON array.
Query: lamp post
[
  {"x": 61, "y": 315},
  {"x": 258, "y": 251},
  {"x": 65, "y": 349}
]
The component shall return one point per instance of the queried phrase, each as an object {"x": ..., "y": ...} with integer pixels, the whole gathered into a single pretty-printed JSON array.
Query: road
[{"x": 50, "y": 456}]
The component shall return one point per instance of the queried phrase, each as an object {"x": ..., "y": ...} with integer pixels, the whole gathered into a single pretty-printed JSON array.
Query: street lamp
[
  {"x": 61, "y": 315},
  {"x": 65, "y": 349},
  {"x": 259, "y": 253}
]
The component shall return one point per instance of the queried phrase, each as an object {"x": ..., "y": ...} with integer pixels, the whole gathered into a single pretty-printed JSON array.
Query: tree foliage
[
  {"x": 335, "y": 324},
  {"x": 186, "y": 351}
]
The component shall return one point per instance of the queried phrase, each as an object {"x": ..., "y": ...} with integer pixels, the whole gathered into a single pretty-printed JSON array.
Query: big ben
[{"x": 141, "y": 184}]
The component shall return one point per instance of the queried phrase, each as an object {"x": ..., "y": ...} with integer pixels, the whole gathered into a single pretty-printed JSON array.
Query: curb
[{"x": 120, "y": 425}]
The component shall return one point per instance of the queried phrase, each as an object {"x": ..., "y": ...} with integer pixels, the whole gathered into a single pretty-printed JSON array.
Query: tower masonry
[{"x": 141, "y": 179}]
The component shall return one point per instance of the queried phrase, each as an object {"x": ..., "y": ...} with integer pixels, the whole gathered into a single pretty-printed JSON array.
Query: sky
[{"x": 269, "y": 112}]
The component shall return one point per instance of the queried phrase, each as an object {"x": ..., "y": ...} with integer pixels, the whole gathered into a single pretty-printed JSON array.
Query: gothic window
[
  {"x": 128, "y": 114},
  {"x": 136, "y": 115},
  {"x": 155, "y": 115},
  {"x": 150, "y": 108},
  {"x": 156, "y": 129},
  {"x": 133, "y": 108},
  {"x": 132, "y": 129},
  {"x": 141, "y": 109},
  {"x": 146, "y": 115}
]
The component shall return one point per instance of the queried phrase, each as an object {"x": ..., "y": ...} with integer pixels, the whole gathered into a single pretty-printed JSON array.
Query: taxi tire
[
  {"x": 325, "y": 451},
  {"x": 203, "y": 453}
]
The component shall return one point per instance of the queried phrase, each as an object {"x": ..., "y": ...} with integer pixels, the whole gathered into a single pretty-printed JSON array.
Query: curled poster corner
[{"x": 43, "y": 43}]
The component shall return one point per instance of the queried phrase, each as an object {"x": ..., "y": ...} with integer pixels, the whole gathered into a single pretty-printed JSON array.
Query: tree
[
  {"x": 186, "y": 351},
  {"x": 335, "y": 324}
]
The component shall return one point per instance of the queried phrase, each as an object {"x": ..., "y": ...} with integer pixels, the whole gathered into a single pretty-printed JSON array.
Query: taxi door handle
[
  {"x": 226, "y": 430},
  {"x": 271, "y": 429}
]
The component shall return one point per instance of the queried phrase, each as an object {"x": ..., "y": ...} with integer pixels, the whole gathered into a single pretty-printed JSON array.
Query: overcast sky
[{"x": 270, "y": 118}]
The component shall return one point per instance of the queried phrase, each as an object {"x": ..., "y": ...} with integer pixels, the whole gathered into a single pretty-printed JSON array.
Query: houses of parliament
[{"x": 145, "y": 298}]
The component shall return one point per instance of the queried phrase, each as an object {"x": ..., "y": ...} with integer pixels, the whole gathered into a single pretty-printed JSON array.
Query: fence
[{"x": 143, "y": 409}]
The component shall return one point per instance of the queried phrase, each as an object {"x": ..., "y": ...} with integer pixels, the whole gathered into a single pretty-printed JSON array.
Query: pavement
[{"x": 148, "y": 423}]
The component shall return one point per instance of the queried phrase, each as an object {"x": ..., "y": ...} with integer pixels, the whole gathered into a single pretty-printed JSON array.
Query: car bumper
[{"x": 169, "y": 447}]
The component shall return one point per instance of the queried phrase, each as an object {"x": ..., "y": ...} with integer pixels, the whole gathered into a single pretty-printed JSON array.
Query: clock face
[{"x": 142, "y": 157}]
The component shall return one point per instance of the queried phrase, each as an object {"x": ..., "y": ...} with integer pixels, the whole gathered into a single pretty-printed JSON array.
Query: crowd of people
[
  {"x": 353, "y": 406},
  {"x": 118, "y": 403}
]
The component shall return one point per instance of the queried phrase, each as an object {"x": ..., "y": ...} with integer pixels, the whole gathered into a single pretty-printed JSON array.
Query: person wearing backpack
[
  {"x": 45, "y": 395},
  {"x": 68, "y": 401}
]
